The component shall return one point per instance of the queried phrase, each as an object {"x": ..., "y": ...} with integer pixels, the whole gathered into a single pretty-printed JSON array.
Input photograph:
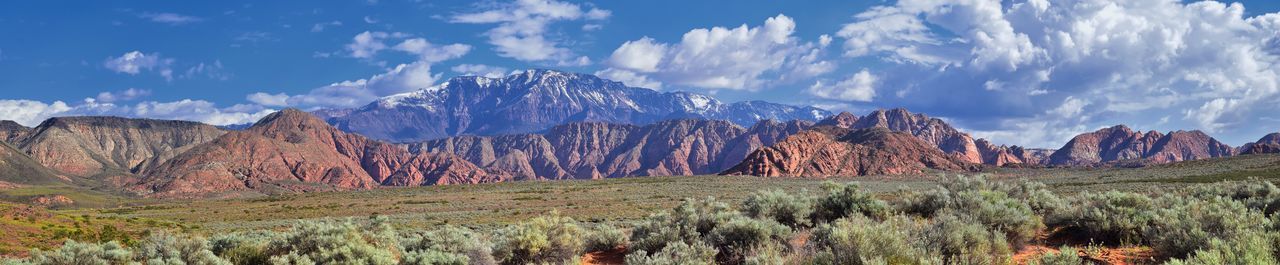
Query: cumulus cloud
[
  {"x": 744, "y": 58},
  {"x": 858, "y": 87},
  {"x": 136, "y": 62},
  {"x": 354, "y": 93},
  {"x": 522, "y": 30},
  {"x": 1001, "y": 66},
  {"x": 31, "y": 112},
  {"x": 123, "y": 95},
  {"x": 481, "y": 70},
  {"x": 169, "y": 18}
]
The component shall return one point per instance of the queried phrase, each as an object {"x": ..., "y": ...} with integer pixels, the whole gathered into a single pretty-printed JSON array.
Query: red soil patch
[
  {"x": 1047, "y": 242},
  {"x": 616, "y": 256}
]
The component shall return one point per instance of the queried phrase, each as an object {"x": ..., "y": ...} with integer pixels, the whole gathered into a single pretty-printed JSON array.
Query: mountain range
[
  {"x": 616, "y": 136},
  {"x": 536, "y": 100}
]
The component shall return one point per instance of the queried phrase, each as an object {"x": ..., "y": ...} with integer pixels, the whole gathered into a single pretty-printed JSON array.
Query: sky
[{"x": 1025, "y": 72}]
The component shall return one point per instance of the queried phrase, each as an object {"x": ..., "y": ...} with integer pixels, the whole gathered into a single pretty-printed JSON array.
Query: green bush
[
  {"x": 546, "y": 239},
  {"x": 605, "y": 237},
  {"x": 737, "y": 237},
  {"x": 1255, "y": 194},
  {"x": 687, "y": 223},
  {"x": 768, "y": 254},
  {"x": 1184, "y": 225},
  {"x": 858, "y": 240},
  {"x": 434, "y": 257},
  {"x": 166, "y": 248},
  {"x": 966, "y": 241},
  {"x": 1065, "y": 256},
  {"x": 1247, "y": 249},
  {"x": 845, "y": 200},
  {"x": 75, "y": 253},
  {"x": 448, "y": 239},
  {"x": 1113, "y": 217},
  {"x": 676, "y": 253},
  {"x": 999, "y": 212},
  {"x": 330, "y": 242},
  {"x": 777, "y": 205},
  {"x": 243, "y": 248}
]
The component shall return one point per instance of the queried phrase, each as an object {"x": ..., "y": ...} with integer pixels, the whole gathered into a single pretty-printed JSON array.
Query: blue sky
[{"x": 1020, "y": 72}]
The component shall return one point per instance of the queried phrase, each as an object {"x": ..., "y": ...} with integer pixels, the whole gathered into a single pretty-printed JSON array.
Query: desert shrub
[
  {"x": 1111, "y": 217},
  {"x": 843, "y": 200},
  {"x": 1184, "y": 225},
  {"x": 243, "y": 248},
  {"x": 1255, "y": 248},
  {"x": 434, "y": 257},
  {"x": 780, "y": 206},
  {"x": 74, "y": 253},
  {"x": 1037, "y": 197},
  {"x": 961, "y": 240},
  {"x": 768, "y": 254},
  {"x": 858, "y": 240},
  {"x": 676, "y": 253},
  {"x": 433, "y": 245},
  {"x": 999, "y": 212},
  {"x": 333, "y": 242},
  {"x": 1065, "y": 256},
  {"x": 925, "y": 204},
  {"x": 605, "y": 237},
  {"x": 1255, "y": 194},
  {"x": 549, "y": 238},
  {"x": 166, "y": 248},
  {"x": 687, "y": 223},
  {"x": 740, "y": 235}
]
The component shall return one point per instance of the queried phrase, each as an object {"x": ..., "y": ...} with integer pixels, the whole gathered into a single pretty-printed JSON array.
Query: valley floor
[{"x": 617, "y": 201}]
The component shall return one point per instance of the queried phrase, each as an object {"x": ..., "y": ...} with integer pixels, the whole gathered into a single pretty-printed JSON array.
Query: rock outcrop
[
  {"x": 827, "y": 151},
  {"x": 1269, "y": 144},
  {"x": 11, "y": 132},
  {"x": 1119, "y": 143},
  {"x": 600, "y": 150},
  {"x": 937, "y": 133},
  {"x": 113, "y": 149},
  {"x": 536, "y": 100},
  {"x": 293, "y": 151},
  {"x": 1001, "y": 155}
]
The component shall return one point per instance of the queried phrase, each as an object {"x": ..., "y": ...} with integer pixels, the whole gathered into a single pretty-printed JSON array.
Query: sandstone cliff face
[
  {"x": 111, "y": 148},
  {"x": 600, "y": 150},
  {"x": 931, "y": 130},
  {"x": 1120, "y": 143},
  {"x": 1001, "y": 155},
  {"x": 832, "y": 151},
  {"x": 18, "y": 168},
  {"x": 292, "y": 151},
  {"x": 11, "y": 132},
  {"x": 1269, "y": 144}
]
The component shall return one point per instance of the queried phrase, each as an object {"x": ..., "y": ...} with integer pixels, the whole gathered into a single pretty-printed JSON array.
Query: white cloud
[
  {"x": 270, "y": 100},
  {"x": 745, "y": 57},
  {"x": 481, "y": 70},
  {"x": 320, "y": 27},
  {"x": 123, "y": 95},
  {"x": 859, "y": 87},
  {"x": 212, "y": 71},
  {"x": 354, "y": 93},
  {"x": 523, "y": 28},
  {"x": 31, "y": 113},
  {"x": 170, "y": 18},
  {"x": 996, "y": 64},
  {"x": 135, "y": 62},
  {"x": 430, "y": 52}
]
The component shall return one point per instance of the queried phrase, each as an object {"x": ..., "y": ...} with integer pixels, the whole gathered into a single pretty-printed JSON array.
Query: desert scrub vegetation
[{"x": 962, "y": 220}]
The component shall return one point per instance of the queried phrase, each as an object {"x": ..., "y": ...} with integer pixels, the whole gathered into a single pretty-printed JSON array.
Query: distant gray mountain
[{"x": 536, "y": 100}]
